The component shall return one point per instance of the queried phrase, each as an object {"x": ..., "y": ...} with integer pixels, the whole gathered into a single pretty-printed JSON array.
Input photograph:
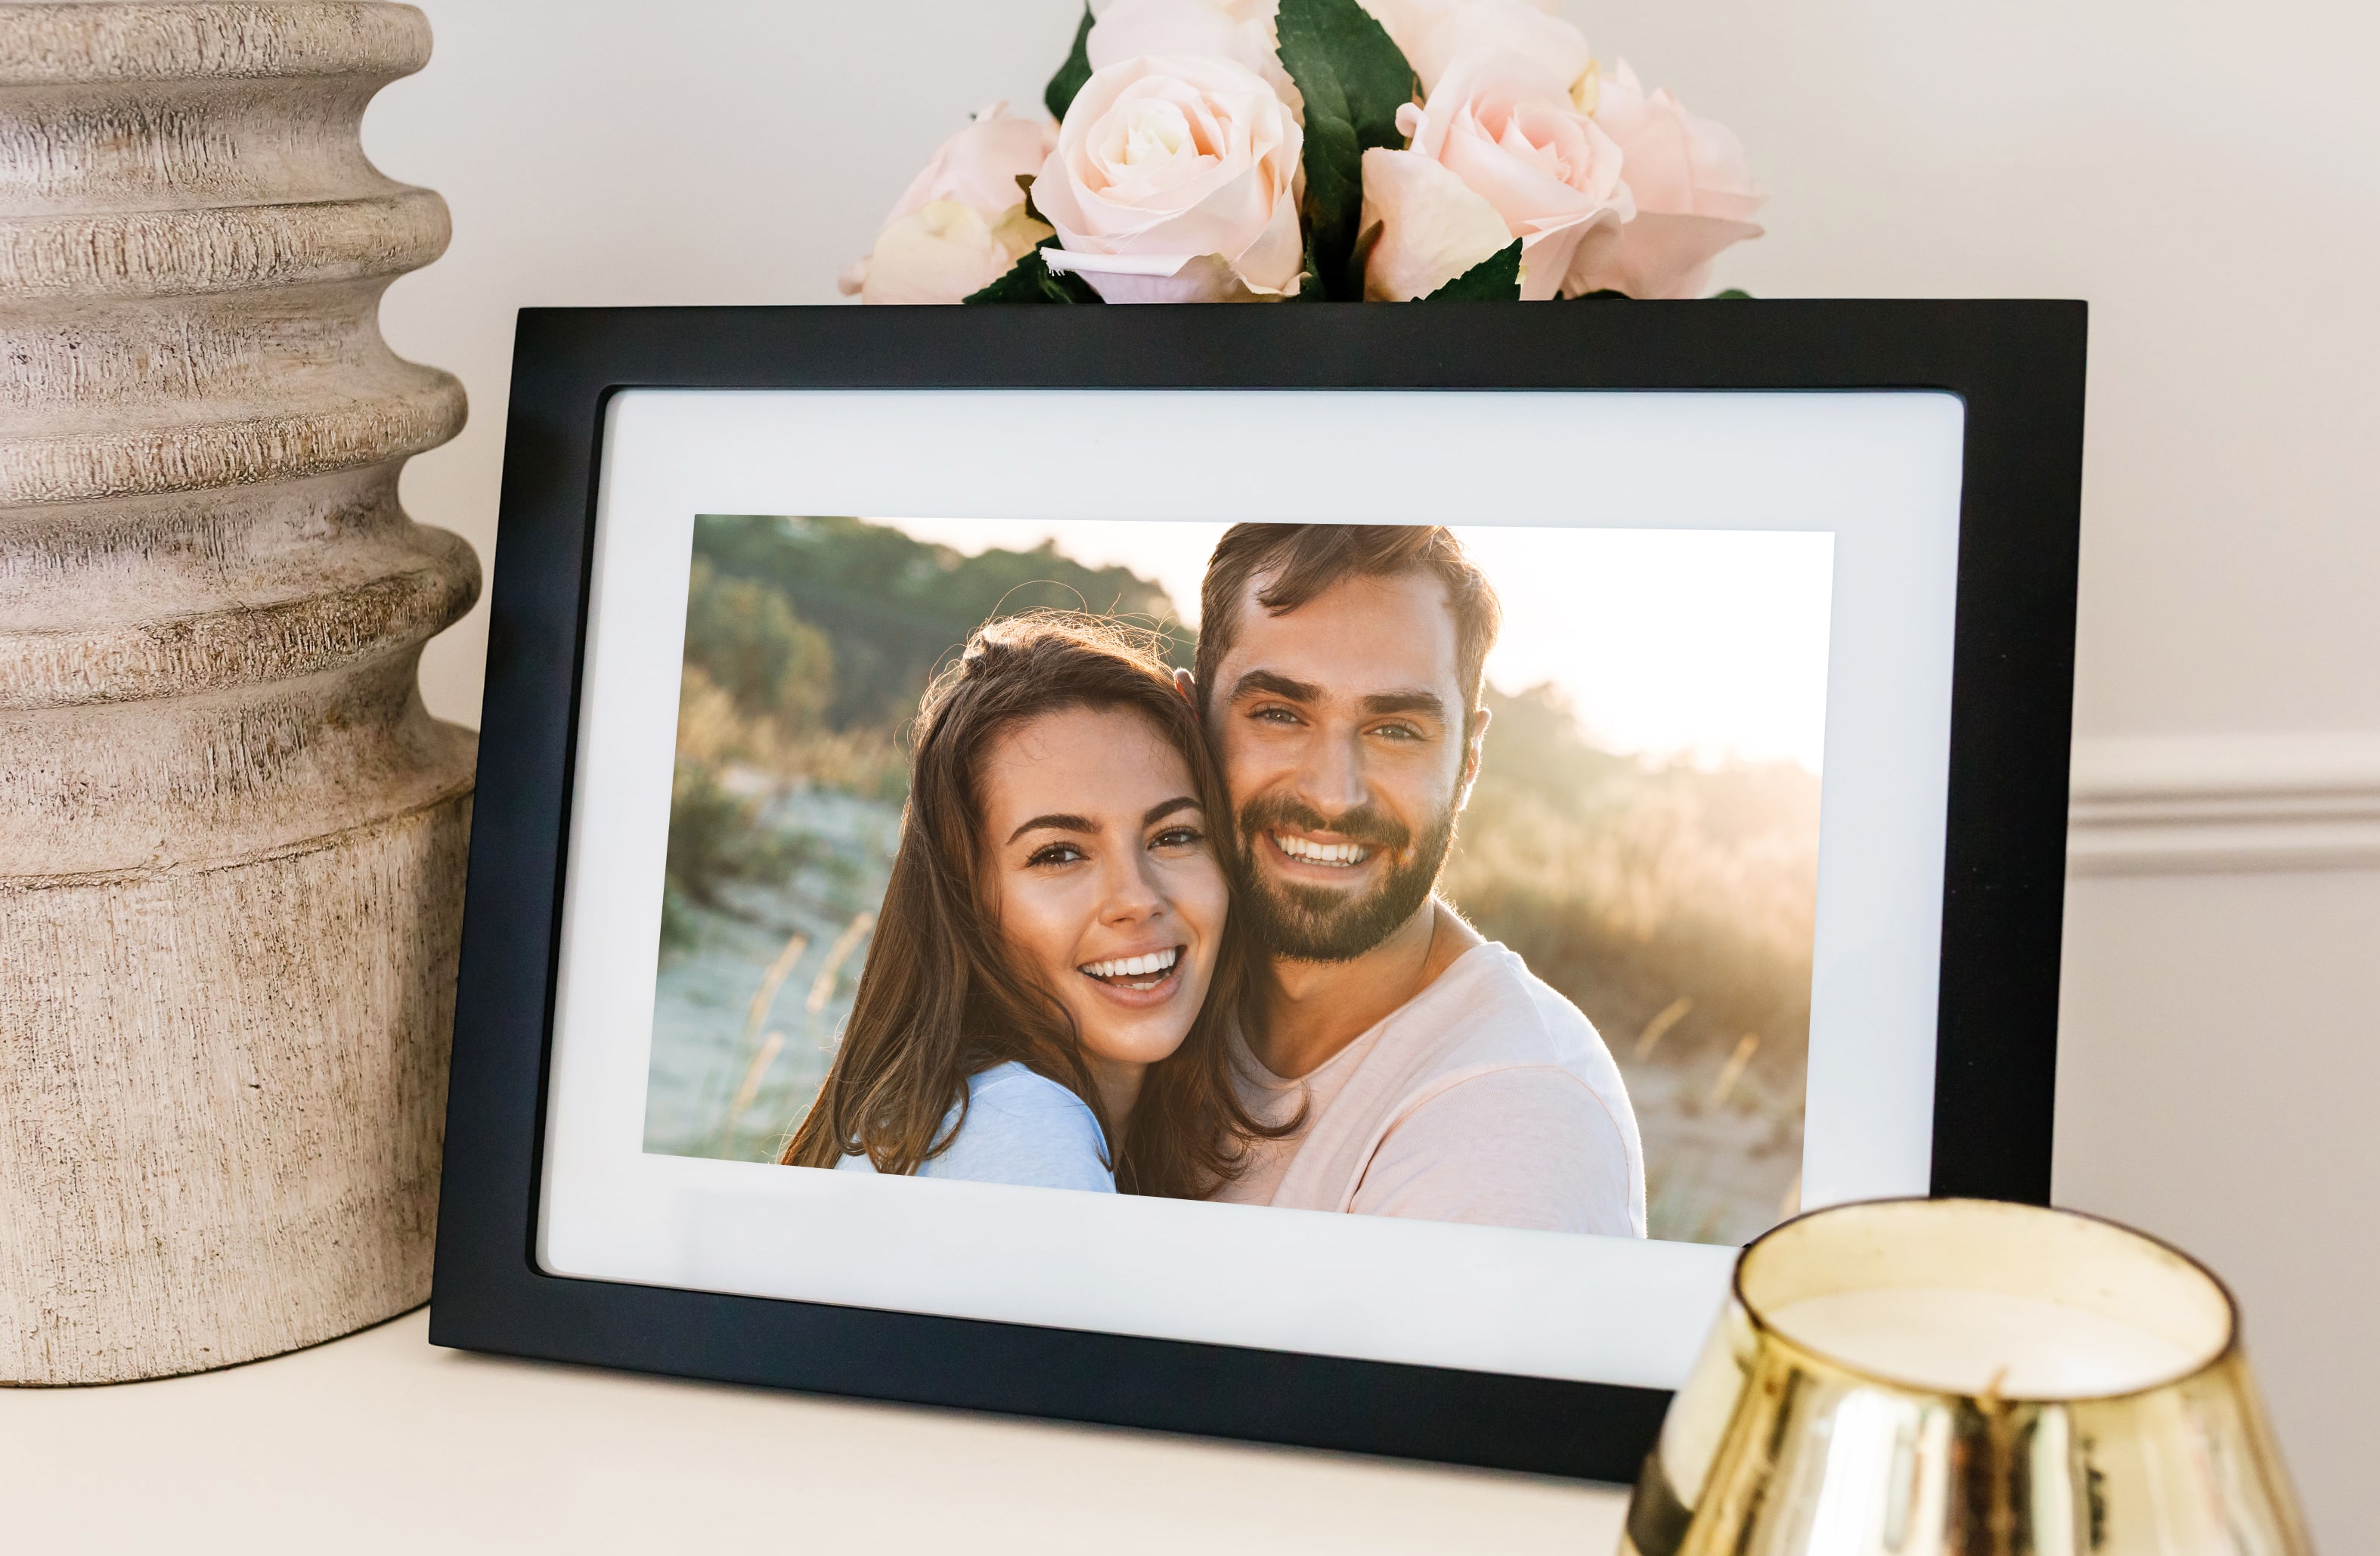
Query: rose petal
[
  {"x": 1410, "y": 22},
  {"x": 1275, "y": 258},
  {"x": 1547, "y": 255},
  {"x": 938, "y": 253},
  {"x": 1551, "y": 45},
  {"x": 978, "y": 165},
  {"x": 1239, "y": 30},
  {"x": 1154, "y": 279},
  {"x": 1678, "y": 163},
  {"x": 1659, "y": 254},
  {"x": 1433, "y": 225},
  {"x": 1522, "y": 188}
]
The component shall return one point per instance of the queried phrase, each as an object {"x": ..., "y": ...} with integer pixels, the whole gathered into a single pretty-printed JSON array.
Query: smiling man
[{"x": 1339, "y": 671}]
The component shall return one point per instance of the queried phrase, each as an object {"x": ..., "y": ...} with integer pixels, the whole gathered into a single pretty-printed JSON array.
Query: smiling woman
[
  {"x": 1119, "y": 911},
  {"x": 1054, "y": 968}
]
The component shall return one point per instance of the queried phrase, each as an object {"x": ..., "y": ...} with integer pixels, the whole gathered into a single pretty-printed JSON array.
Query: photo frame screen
[
  {"x": 1642, "y": 831},
  {"x": 1702, "y": 813}
]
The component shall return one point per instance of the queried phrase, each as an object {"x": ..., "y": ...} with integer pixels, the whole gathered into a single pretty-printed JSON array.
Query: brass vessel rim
[{"x": 2212, "y": 1358}]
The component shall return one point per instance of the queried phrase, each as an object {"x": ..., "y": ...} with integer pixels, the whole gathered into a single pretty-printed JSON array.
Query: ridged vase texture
[{"x": 231, "y": 837}]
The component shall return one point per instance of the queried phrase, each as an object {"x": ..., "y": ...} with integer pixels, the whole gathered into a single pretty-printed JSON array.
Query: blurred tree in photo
[
  {"x": 745, "y": 637},
  {"x": 895, "y": 607}
]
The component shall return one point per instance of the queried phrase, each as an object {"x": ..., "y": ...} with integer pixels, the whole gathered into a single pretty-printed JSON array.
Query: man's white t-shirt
[{"x": 1485, "y": 1098}]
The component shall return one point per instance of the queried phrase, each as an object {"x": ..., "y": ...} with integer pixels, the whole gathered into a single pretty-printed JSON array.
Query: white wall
[
  {"x": 2204, "y": 173},
  {"x": 2217, "y": 1074}
]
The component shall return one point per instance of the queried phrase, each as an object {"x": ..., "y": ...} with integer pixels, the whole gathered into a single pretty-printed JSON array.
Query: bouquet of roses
[{"x": 1236, "y": 151}]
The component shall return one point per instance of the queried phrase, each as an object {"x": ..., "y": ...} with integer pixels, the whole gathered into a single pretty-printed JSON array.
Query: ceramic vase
[{"x": 231, "y": 838}]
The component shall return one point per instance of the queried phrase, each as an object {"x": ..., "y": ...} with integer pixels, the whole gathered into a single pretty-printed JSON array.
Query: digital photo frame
[{"x": 1766, "y": 790}]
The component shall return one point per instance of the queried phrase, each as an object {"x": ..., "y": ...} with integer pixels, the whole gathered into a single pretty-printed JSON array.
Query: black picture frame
[{"x": 2017, "y": 365}]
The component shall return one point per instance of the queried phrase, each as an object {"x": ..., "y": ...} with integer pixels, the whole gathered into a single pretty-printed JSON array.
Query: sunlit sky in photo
[{"x": 1706, "y": 645}]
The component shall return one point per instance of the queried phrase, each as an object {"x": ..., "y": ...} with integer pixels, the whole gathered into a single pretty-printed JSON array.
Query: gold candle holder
[{"x": 1966, "y": 1377}]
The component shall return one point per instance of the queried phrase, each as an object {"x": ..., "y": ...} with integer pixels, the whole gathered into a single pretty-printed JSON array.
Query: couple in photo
[{"x": 1176, "y": 933}]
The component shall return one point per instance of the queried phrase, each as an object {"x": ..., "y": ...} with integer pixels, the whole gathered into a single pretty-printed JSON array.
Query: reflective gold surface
[{"x": 2016, "y": 1382}]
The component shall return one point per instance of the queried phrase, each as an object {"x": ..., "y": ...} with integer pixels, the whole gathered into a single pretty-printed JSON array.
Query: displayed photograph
[{"x": 1460, "y": 873}]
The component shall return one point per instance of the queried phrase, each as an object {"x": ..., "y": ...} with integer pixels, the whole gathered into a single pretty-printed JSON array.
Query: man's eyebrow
[
  {"x": 1165, "y": 807},
  {"x": 1055, "y": 822},
  {"x": 1275, "y": 684},
  {"x": 1407, "y": 702}
]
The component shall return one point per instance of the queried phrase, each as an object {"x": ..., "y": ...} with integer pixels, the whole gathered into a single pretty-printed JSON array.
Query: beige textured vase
[{"x": 231, "y": 839}]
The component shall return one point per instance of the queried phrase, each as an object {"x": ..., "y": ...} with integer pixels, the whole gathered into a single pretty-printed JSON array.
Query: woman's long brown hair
[{"x": 942, "y": 999}]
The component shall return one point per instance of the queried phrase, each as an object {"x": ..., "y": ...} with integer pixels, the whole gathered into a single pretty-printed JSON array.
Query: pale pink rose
[
  {"x": 1521, "y": 27},
  {"x": 1165, "y": 160},
  {"x": 1239, "y": 30},
  {"x": 1409, "y": 23},
  {"x": 1507, "y": 130},
  {"x": 1694, "y": 189},
  {"x": 961, "y": 223}
]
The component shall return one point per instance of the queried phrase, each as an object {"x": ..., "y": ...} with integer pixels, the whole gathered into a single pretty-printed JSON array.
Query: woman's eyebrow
[
  {"x": 1165, "y": 807},
  {"x": 1055, "y": 824}
]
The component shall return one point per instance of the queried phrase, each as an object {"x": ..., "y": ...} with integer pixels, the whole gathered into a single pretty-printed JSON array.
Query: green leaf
[
  {"x": 1354, "y": 80},
  {"x": 1496, "y": 279},
  {"x": 1060, "y": 94},
  {"x": 1732, "y": 294},
  {"x": 1309, "y": 278},
  {"x": 1606, "y": 295},
  {"x": 1031, "y": 279}
]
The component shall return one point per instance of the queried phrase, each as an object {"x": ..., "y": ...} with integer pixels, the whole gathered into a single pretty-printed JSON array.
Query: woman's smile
[
  {"x": 1120, "y": 970},
  {"x": 1139, "y": 982}
]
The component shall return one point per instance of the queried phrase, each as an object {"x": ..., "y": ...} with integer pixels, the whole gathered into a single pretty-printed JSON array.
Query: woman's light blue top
[{"x": 1021, "y": 1128}]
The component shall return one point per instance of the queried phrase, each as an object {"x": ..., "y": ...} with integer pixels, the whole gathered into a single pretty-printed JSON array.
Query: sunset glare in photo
[{"x": 1706, "y": 645}]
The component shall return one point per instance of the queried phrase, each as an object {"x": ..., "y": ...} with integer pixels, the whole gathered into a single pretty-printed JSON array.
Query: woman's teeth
[
  {"x": 1149, "y": 970},
  {"x": 1340, "y": 854}
]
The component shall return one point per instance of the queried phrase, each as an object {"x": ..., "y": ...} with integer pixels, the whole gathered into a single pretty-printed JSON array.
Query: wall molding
[{"x": 2234, "y": 802}]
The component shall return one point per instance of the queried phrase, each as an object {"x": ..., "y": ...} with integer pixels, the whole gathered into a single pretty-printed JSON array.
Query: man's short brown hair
[{"x": 1305, "y": 559}]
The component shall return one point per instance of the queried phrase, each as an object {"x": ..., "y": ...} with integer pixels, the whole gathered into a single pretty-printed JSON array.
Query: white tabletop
[{"x": 382, "y": 1442}]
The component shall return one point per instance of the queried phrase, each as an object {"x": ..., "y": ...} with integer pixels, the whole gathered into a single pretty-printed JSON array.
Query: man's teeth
[
  {"x": 1322, "y": 853},
  {"x": 1136, "y": 967}
]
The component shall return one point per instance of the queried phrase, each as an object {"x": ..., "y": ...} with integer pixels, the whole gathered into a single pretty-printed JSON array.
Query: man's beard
[{"x": 1316, "y": 923}]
